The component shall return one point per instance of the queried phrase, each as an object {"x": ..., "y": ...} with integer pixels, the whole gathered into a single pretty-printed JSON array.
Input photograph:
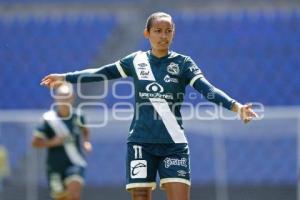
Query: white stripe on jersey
[
  {"x": 195, "y": 78},
  {"x": 142, "y": 67},
  {"x": 61, "y": 129},
  {"x": 162, "y": 108},
  {"x": 120, "y": 69}
]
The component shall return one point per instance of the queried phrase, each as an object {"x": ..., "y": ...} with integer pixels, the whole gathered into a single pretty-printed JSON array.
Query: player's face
[
  {"x": 161, "y": 34},
  {"x": 64, "y": 99}
]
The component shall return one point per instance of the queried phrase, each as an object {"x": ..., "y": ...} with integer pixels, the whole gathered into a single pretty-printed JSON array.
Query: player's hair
[{"x": 157, "y": 15}]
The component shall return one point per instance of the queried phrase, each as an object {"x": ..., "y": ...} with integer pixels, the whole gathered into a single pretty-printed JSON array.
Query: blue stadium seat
[
  {"x": 38, "y": 47},
  {"x": 234, "y": 49}
]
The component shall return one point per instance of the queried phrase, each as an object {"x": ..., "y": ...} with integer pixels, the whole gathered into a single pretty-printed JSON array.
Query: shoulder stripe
[
  {"x": 142, "y": 67},
  {"x": 120, "y": 69}
]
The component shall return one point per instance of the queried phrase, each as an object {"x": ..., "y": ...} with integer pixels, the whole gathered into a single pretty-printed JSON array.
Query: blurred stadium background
[{"x": 249, "y": 48}]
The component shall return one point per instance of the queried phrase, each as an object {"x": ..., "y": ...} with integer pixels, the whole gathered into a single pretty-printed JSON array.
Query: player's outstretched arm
[
  {"x": 53, "y": 80},
  {"x": 245, "y": 111},
  {"x": 106, "y": 72},
  {"x": 219, "y": 97}
]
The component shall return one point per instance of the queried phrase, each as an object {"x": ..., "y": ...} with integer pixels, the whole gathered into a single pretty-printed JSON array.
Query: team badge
[
  {"x": 173, "y": 68},
  {"x": 138, "y": 169}
]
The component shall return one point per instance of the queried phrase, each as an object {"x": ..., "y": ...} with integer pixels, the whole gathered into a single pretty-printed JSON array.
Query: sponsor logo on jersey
[
  {"x": 173, "y": 68},
  {"x": 195, "y": 70},
  {"x": 175, "y": 162},
  {"x": 144, "y": 73},
  {"x": 154, "y": 87},
  {"x": 142, "y": 65},
  {"x": 145, "y": 95},
  {"x": 138, "y": 169},
  {"x": 155, "y": 90},
  {"x": 168, "y": 79}
]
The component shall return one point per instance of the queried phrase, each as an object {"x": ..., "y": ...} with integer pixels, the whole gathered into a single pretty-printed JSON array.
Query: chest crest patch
[{"x": 173, "y": 68}]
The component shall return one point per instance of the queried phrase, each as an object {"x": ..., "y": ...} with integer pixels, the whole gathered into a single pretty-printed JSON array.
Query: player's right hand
[
  {"x": 53, "y": 80},
  {"x": 87, "y": 146}
]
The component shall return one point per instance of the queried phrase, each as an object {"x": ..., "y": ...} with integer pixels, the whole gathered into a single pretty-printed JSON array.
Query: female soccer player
[
  {"x": 60, "y": 133},
  {"x": 156, "y": 141}
]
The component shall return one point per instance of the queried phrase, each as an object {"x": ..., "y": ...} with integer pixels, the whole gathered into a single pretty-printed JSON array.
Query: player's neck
[{"x": 159, "y": 53}]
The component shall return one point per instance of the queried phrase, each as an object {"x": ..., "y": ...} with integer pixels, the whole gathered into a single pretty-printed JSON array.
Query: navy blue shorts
[
  {"x": 145, "y": 160},
  {"x": 59, "y": 179}
]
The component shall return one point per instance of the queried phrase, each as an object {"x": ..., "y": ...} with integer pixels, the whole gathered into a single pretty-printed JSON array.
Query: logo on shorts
[
  {"x": 175, "y": 162},
  {"x": 173, "y": 68},
  {"x": 181, "y": 173},
  {"x": 138, "y": 169}
]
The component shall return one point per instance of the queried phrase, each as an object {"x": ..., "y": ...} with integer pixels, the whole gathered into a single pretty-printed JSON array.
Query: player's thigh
[
  {"x": 74, "y": 190},
  {"x": 141, "y": 193},
  {"x": 141, "y": 167},
  {"x": 177, "y": 191},
  {"x": 74, "y": 182}
]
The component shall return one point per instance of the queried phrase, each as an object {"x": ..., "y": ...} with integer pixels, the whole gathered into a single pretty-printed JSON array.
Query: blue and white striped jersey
[
  {"x": 70, "y": 153},
  {"x": 159, "y": 91}
]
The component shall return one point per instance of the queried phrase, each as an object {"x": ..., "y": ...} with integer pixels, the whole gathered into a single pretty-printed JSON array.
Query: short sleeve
[
  {"x": 126, "y": 64},
  {"x": 43, "y": 130},
  {"x": 191, "y": 71},
  {"x": 81, "y": 120}
]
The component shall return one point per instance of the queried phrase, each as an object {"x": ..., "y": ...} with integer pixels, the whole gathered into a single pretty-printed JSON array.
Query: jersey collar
[{"x": 153, "y": 57}]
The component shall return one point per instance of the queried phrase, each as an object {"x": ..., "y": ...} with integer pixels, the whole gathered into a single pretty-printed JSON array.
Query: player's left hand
[
  {"x": 87, "y": 146},
  {"x": 247, "y": 113}
]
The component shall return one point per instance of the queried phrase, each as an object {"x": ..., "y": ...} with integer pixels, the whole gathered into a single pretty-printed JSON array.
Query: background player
[
  {"x": 160, "y": 77},
  {"x": 60, "y": 133}
]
